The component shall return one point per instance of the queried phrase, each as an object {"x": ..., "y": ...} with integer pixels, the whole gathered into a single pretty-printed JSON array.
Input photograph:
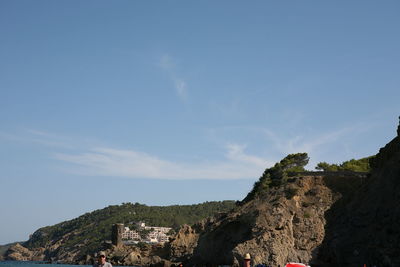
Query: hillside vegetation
[
  {"x": 281, "y": 172},
  {"x": 278, "y": 174},
  {"x": 90, "y": 230},
  {"x": 356, "y": 165}
]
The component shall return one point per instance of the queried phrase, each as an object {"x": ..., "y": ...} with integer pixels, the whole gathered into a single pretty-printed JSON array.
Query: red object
[{"x": 292, "y": 264}]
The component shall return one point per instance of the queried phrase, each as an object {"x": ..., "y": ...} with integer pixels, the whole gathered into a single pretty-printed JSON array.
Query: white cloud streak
[
  {"x": 134, "y": 164},
  {"x": 314, "y": 143},
  {"x": 325, "y": 146},
  {"x": 318, "y": 147},
  {"x": 299, "y": 144},
  {"x": 181, "y": 89},
  {"x": 38, "y": 137},
  {"x": 167, "y": 64},
  {"x": 236, "y": 163}
]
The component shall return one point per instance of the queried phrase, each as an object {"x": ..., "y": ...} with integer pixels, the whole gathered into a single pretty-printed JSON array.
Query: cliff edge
[
  {"x": 323, "y": 220},
  {"x": 288, "y": 224},
  {"x": 366, "y": 229}
]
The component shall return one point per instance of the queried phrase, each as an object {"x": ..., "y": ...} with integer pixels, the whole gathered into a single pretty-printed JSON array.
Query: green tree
[
  {"x": 278, "y": 174},
  {"x": 356, "y": 165},
  {"x": 323, "y": 166},
  {"x": 294, "y": 162}
]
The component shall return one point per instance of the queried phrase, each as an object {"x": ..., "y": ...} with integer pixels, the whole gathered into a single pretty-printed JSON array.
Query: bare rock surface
[
  {"x": 274, "y": 230},
  {"x": 19, "y": 253},
  {"x": 366, "y": 229},
  {"x": 182, "y": 246}
]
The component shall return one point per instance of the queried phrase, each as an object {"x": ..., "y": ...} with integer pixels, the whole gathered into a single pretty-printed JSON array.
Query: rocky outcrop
[
  {"x": 183, "y": 244},
  {"x": 286, "y": 225},
  {"x": 118, "y": 255},
  {"x": 19, "y": 253},
  {"x": 366, "y": 230},
  {"x": 146, "y": 255},
  {"x": 323, "y": 219}
]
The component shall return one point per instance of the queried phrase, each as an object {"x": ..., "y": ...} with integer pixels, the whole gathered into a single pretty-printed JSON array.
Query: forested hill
[{"x": 91, "y": 229}]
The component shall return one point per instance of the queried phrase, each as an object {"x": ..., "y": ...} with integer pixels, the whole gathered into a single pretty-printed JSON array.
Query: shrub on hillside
[
  {"x": 356, "y": 165},
  {"x": 278, "y": 174}
]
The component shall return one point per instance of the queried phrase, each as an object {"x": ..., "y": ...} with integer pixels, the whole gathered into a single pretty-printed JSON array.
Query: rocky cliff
[
  {"x": 366, "y": 229},
  {"x": 286, "y": 225},
  {"x": 19, "y": 253},
  {"x": 321, "y": 219}
]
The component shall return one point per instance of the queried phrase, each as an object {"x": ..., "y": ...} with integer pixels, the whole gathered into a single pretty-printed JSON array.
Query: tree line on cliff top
[
  {"x": 356, "y": 165},
  {"x": 292, "y": 164}
]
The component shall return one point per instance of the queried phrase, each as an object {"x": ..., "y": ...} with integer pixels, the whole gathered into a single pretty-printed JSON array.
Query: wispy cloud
[
  {"x": 236, "y": 153},
  {"x": 277, "y": 143},
  {"x": 299, "y": 143},
  {"x": 236, "y": 163},
  {"x": 39, "y": 137},
  {"x": 168, "y": 65},
  {"x": 315, "y": 142},
  {"x": 134, "y": 164},
  {"x": 181, "y": 89},
  {"x": 319, "y": 146}
]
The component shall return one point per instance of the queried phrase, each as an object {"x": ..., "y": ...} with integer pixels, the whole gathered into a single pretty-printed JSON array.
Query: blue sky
[{"x": 104, "y": 102}]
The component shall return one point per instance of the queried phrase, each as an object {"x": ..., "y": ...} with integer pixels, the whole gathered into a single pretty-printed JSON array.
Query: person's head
[
  {"x": 101, "y": 257},
  {"x": 247, "y": 260}
]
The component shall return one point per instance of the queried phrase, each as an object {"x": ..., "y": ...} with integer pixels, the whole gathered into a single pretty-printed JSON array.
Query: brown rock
[
  {"x": 366, "y": 229},
  {"x": 18, "y": 253},
  {"x": 182, "y": 246},
  {"x": 274, "y": 229}
]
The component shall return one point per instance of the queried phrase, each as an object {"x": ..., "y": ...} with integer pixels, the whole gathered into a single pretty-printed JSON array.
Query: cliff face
[
  {"x": 323, "y": 220},
  {"x": 366, "y": 230},
  {"x": 20, "y": 253},
  {"x": 185, "y": 241},
  {"x": 286, "y": 225}
]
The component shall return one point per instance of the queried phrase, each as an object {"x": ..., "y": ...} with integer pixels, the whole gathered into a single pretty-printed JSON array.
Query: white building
[
  {"x": 156, "y": 234},
  {"x": 130, "y": 234},
  {"x": 158, "y": 229}
]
